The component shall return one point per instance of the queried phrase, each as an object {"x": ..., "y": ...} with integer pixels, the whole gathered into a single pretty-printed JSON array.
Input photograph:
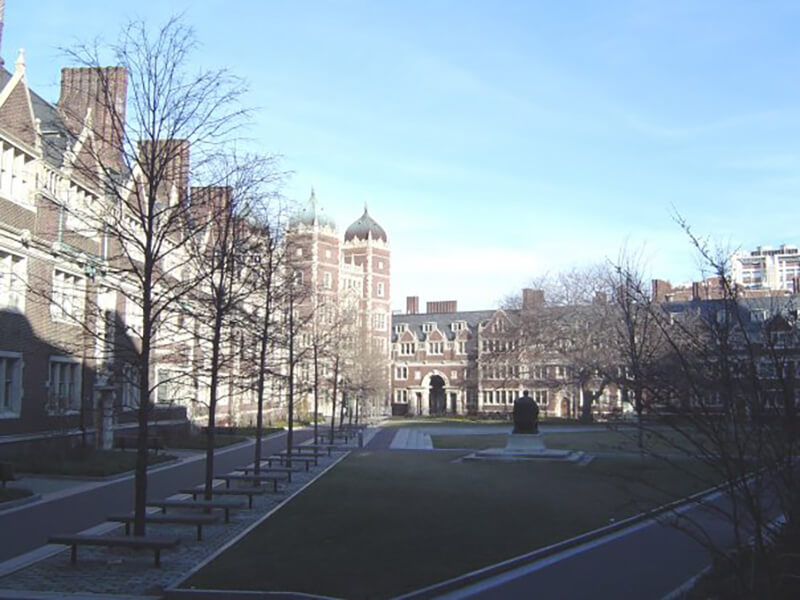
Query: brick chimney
[
  {"x": 104, "y": 90},
  {"x": 412, "y": 305},
  {"x": 532, "y": 299},
  {"x": 175, "y": 155},
  {"x": 442, "y": 306},
  {"x": 660, "y": 290}
]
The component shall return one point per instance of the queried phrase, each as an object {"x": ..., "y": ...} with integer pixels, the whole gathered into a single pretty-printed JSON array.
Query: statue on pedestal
[{"x": 526, "y": 415}]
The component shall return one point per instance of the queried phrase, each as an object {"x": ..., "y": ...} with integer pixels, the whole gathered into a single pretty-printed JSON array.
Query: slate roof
[
  {"x": 415, "y": 322},
  {"x": 364, "y": 227}
]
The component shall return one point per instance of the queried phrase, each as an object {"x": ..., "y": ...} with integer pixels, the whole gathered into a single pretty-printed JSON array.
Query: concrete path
[
  {"x": 646, "y": 561},
  {"x": 75, "y": 508}
]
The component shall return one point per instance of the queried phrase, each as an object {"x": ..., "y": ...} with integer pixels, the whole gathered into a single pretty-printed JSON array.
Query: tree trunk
[
  {"x": 262, "y": 368},
  {"x": 290, "y": 432},
  {"x": 587, "y": 399},
  {"x": 316, "y": 390},
  {"x": 212, "y": 404},
  {"x": 335, "y": 391}
]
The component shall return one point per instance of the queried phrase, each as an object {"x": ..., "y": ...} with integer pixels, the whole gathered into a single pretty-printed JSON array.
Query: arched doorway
[{"x": 437, "y": 399}]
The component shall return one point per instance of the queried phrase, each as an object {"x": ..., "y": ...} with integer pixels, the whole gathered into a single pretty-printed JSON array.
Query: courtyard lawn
[
  {"x": 384, "y": 523},
  {"x": 589, "y": 441},
  {"x": 199, "y": 441},
  {"x": 83, "y": 462},
  {"x": 10, "y": 493}
]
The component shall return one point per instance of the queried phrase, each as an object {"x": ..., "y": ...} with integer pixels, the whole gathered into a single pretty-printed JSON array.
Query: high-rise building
[{"x": 766, "y": 268}]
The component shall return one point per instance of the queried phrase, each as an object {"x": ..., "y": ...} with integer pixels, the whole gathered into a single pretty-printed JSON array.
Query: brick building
[{"x": 349, "y": 283}]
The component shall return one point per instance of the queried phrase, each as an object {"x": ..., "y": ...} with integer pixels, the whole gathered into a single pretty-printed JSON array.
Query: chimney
[
  {"x": 660, "y": 289},
  {"x": 532, "y": 299},
  {"x": 796, "y": 285},
  {"x": 104, "y": 90},
  {"x": 697, "y": 293},
  {"x": 442, "y": 306},
  {"x": 412, "y": 305},
  {"x": 174, "y": 155}
]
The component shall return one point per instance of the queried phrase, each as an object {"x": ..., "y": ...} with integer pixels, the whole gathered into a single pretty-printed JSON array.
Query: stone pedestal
[{"x": 526, "y": 446}]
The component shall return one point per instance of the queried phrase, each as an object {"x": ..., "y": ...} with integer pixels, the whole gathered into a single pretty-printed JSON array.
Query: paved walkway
[
  {"x": 104, "y": 571},
  {"x": 74, "y": 508}
]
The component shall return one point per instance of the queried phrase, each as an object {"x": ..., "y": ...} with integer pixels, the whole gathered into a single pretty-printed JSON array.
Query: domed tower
[
  {"x": 315, "y": 248},
  {"x": 367, "y": 255}
]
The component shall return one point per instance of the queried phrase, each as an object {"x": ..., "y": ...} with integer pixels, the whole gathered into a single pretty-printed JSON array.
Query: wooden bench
[
  {"x": 197, "y": 505},
  {"x": 7, "y": 473},
  {"x": 287, "y": 470},
  {"x": 196, "y": 520},
  {"x": 313, "y": 448},
  {"x": 305, "y": 459},
  {"x": 134, "y": 542},
  {"x": 249, "y": 492},
  {"x": 251, "y": 478}
]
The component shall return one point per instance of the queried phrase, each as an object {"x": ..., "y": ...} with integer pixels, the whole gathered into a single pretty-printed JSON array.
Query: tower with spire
[{"x": 355, "y": 270}]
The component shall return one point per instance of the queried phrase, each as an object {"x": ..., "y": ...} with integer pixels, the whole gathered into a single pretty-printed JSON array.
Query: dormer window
[
  {"x": 458, "y": 326},
  {"x": 428, "y": 327},
  {"x": 400, "y": 328}
]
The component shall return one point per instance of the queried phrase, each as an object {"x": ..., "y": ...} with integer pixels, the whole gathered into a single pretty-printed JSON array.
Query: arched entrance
[{"x": 437, "y": 398}]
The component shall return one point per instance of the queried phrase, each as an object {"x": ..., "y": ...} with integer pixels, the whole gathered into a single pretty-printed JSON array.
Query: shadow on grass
[
  {"x": 87, "y": 462},
  {"x": 384, "y": 523}
]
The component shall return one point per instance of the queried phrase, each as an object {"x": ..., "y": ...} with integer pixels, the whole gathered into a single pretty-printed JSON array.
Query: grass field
[
  {"x": 87, "y": 462},
  {"x": 9, "y": 493},
  {"x": 384, "y": 523},
  {"x": 590, "y": 441}
]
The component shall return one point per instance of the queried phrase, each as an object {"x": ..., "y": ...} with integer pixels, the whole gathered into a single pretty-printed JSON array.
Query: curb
[
  {"x": 19, "y": 502},
  {"x": 462, "y": 581}
]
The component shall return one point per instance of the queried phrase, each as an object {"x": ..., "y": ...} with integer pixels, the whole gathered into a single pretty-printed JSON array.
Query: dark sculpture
[{"x": 526, "y": 415}]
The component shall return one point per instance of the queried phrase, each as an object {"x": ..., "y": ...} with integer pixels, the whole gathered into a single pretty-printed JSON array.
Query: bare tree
[{"x": 137, "y": 151}]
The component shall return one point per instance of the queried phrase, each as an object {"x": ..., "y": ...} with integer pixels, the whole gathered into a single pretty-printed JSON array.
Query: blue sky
[{"x": 497, "y": 141}]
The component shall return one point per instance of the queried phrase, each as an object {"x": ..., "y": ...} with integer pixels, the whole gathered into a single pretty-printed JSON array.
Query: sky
[{"x": 496, "y": 142}]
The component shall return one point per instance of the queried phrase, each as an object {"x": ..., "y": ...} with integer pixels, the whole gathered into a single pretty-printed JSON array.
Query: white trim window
[
  {"x": 10, "y": 384},
  {"x": 435, "y": 347},
  {"x": 379, "y": 321},
  {"x": 68, "y": 297},
  {"x": 380, "y": 289},
  {"x": 407, "y": 348},
  {"x": 64, "y": 385},
  {"x": 401, "y": 373},
  {"x": 12, "y": 281},
  {"x": 327, "y": 280},
  {"x": 130, "y": 387}
]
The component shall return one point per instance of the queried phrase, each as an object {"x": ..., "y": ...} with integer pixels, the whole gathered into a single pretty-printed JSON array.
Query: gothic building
[{"x": 348, "y": 279}]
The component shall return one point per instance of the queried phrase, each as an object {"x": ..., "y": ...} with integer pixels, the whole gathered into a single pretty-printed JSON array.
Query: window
[
  {"x": 401, "y": 373},
  {"x": 67, "y": 304},
  {"x": 379, "y": 321},
  {"x": 327, "y": 281},
  {"x": 299, "y": 252},
  {"x": 327, "y": 253},
  {"x": 453, "y": 374},
  {"x": 10, "y": 384},
  {"x": 380, "y": 289},
  {"x": 12, "y": 281},
  {"x": 64, "y": 385},
  {"x": 400, "y": 328},
  {"x": 168, "y": 389},
  {"x": 417, "y": 375},
  {"x": 428, "y": 327},
  {"x": 380, "y": 265},
  {"x": 458, "y": 325},
  {"x": 435, "y": 347},
  {"x": 407, "y": 348},
  {"x": 462, "y": 347},
  {"x": 130, "y": 386},
  {"x": 401, "y": 396},
  {"x": 134, "y": 316},
  {"x": 540, "y": 397}
]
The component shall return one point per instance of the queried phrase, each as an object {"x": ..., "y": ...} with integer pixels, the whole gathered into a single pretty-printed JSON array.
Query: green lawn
[
  {"x": 9, "y": 493},
  {"x": 384, "y": 523},
  {"x": 200, "y": 442},
  {"x": 589, "y": 441},
  {"x": 87, "y": 462}
]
